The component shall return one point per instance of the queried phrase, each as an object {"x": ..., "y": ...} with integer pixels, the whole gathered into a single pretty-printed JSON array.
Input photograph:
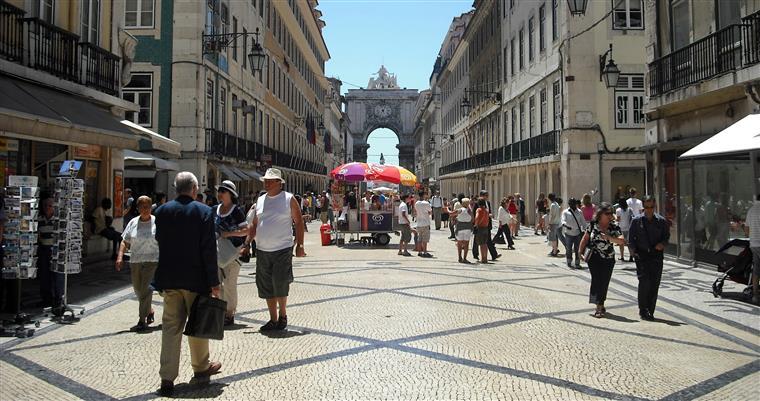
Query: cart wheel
[
  {"x": 717, "y": 287},
  {"x": 383, "y": 239}
]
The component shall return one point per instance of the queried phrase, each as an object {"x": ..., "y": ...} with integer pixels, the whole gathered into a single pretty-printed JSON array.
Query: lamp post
[
  {"x": 577, "y": 7},
  {"x": 217, "y": 42},
  {"x": 608, "y": 69}
]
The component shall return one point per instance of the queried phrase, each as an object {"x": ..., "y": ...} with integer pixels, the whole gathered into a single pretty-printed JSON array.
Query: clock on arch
[{"x": 383, "y": 110}]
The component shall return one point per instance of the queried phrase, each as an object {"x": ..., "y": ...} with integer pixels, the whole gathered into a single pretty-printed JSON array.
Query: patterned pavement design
[{"x": 368, "y": 324}]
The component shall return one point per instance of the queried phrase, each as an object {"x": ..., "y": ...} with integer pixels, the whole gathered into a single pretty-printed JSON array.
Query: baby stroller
[{"x": 735, "y": 262}]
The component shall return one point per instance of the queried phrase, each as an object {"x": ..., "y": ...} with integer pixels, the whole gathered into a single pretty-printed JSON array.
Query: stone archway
[{"x": 383, "y": 105}]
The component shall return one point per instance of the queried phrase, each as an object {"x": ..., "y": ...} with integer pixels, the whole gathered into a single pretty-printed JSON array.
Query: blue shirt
[{"x": 644, "y": 235}]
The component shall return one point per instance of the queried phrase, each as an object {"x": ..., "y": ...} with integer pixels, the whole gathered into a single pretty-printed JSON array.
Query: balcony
[
  {"x": 37, "y": 44},
  {"x": 545, "y": 144},
  {"x": 223, "y": 144},
  {"x": 733, "y": 47}
]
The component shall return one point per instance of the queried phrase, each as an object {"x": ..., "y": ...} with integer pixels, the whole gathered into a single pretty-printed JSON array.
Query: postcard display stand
[
  {"x": 67, "y": 251},
  {"x": 20, "y": 241}
]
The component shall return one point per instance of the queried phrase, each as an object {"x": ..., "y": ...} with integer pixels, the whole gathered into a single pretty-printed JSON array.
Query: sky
[{"x": 403, "y": 35}]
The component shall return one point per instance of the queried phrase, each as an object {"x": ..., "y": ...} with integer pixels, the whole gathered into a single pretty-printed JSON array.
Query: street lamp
[
  {"x": 610, "y": 71},
  {"x": 577, "y": 7},
  {"x": 466, "y": 105},
  {"x": 216, "y": 42}
]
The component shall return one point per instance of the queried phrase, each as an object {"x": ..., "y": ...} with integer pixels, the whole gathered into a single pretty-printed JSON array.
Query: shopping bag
[
  {"x": 226, "y": 252},
  {"x": 206, "y": 318}
]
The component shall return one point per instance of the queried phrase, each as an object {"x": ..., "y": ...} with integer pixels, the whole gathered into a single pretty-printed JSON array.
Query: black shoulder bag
[{"x": 206, "y": 318}]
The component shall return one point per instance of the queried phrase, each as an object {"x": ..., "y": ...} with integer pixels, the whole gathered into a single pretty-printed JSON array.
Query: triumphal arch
[{"x": 383, "y": 105}]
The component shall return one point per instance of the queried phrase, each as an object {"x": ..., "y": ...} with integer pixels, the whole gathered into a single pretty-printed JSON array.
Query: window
[
  {"x": 234, "y": 115},
  {"x": 522, "y": 120},
  {"x": 521, "y": 49},
  {"x": 628, "y": 14},
  {"x": 234, "y": 39},
  {"x": 729, "y": 12},
  {"x": 90, "y": 21},
  {"x": 542, "y": 28},
  {"x": 140, "y": 91},
  {"x": 245, "y": 48},
  {"x": 505, "y": 57},
  {"x": 532, "y": 116},
  {"x": 245, "y": 120},
  {"x": 542, "y": 99},
  {"x": 555, "y": 23},
  {"x": 512, "y": 56},
  {"x": 629, "y": 102},
  {"x": 531, "y": 37},
  {"x": 209, "y": 104},
  {"x": 680, "y": 27},
  {"x": 44, "y": 10},
  {"x": 138, "y": 13},
  {"x": 222, "y": 115},
  {"x": 557, "y": 105}
]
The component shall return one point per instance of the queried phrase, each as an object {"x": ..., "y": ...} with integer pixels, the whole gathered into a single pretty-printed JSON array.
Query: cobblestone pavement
[{"x": 368, "y": 324}]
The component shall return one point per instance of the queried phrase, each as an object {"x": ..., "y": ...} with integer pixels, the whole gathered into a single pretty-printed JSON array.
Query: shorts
[
  {"x": 423, "y": 233},
  {"x": 551, "y": 235},
  {"x": 464, "y": 235},
  {"x": 406, "y": 233},
  {"x": 755, "y": 260},
  {"x": 482, "y": 235},
  {"x": 274, "y": 273}
]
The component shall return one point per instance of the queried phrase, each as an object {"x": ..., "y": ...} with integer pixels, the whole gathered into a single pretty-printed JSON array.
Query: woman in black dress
[{"x": 600, "y": 238}]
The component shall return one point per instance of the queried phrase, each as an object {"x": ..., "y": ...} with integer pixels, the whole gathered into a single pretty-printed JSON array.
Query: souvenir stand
[
  {"x": 20, "y": 247},
  {"x": 67, "y": 251}
]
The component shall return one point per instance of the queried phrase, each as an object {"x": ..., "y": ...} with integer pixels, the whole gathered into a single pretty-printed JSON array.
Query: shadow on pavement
[
  {"x": 280, "y": 333},
  {"x": 618, "y": 318},
  {"x": 198, "y": 391},
  {"x": 669, "y": 322}
]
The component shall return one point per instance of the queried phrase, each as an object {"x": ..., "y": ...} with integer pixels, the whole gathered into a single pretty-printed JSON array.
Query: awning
[
  {"x": 158, "y": 141},
  {"x": 741, "y": 137},
  {"x": 228, "y": 173},
  {"x": 254, "y": 174},
  {"x": 137, "y": 159},
  {"x": 35, "y": 112}
]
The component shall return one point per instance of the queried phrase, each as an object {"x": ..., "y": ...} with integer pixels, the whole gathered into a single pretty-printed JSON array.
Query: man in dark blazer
[
  {"x": 186, "y": 268},
  {"x": 648, "y": 237}
]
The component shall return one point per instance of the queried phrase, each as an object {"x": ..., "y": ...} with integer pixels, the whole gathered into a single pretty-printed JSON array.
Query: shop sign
[
  {"x": 118, "y": 193},
  {"x": 8, "y": 145},
  {"x": 87, "y": 151}
]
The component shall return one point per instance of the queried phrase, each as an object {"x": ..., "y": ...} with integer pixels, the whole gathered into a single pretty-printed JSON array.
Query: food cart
[{"x": 376, "y": 217}]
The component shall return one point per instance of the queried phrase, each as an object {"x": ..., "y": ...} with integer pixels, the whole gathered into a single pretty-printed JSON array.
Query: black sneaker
[
  {"x": 167, "y": 388},
  {"x": 271, "y": 325},
  {"x": 229, "y": 320},
  {"x": 140, "y": 326},
  {"x": 282, "y": 323}
]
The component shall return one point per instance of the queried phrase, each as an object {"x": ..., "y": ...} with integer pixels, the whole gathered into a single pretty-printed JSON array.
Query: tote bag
[
  {"x": 226, "y": 252},
  {"x": 206, "y": 318}
]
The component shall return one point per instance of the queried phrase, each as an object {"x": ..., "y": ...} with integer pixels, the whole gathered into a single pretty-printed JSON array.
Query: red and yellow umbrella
[{"x": 357, "y": 171}]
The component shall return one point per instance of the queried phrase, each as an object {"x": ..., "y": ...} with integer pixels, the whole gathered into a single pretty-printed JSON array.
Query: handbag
[
  {"x": 226, "y": 252},
  {"x": 206, "y": 318}
]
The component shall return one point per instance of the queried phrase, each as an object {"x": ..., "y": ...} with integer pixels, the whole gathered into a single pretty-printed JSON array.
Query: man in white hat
[{"x": 276, "y": 212}]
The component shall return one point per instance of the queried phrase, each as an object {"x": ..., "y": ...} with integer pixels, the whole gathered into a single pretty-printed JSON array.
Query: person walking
[
  {"x": 463, "y": 229},
  {"x": 513, "y": 210},
  {"x": 573, "y": 224},
  {"x": 445, "y": 213},
  {"x": 554, "y": 220},
  {"x": 624, "y": 215},
  {"x": 752, "y": 230},
  {"x": 649, "y": 235},
  {"x": 423, "y": 211},
  {"x": 636, "y": 206},
  {"x": 587, "y": 208},
  {"x": 600, "y": 238},
  {"x": 183, "y": 273},
  {"x": 276, "y": 219},
  {"x": 521, "y": 210},
  {"x": 489, "y": 242},
  {"x": 404, "y": 224},
  {"x": 451, "y": 209},
  {"x": 436, "y": 202},
  {"x": 231, "y": 225},
  {"x": 540, "y": 212},
  {"x": 503, "y": 218},
  {"x": 139, "y": 238},
  {"x": 324, "y": 206}
]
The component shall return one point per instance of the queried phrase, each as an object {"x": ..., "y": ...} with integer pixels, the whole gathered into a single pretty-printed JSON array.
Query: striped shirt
[
  {"x": 46, "y": 230},
  {"x": 753, "y": 221}
]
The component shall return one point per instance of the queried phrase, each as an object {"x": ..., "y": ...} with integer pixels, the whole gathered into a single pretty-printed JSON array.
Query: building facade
[
  {"x": 703, "y": 76},
  {"x": 558, "y": 127},
  {"x": 197, "y": 85},
  {"x": 61, "y": 65}
]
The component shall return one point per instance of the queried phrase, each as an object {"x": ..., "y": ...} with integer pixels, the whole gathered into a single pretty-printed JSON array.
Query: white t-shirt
[
  {"x": 403, "y": 209},
  {"x": 464, "y": 215},
  {"x": 624, "y": 218},
  {"x": 274, "y": 231},
  {"x": 436, "y": 201},
  {"x": 423, "y": 211},
  {"x": 636, "y": 206},
  {"x": 141, "y": 237},
  {"x": 504, "y": 216}
]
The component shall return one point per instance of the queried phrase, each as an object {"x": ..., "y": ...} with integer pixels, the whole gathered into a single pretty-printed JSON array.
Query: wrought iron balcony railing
[
  {"x": 731, "y": 48},
  {"x": 545, "y": 144},
  {"x": 45, "y": 47}
]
